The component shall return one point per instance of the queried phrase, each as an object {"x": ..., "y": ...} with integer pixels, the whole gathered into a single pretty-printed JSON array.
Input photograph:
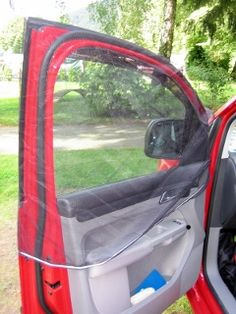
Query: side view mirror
[{"x": 164, "y": 139}]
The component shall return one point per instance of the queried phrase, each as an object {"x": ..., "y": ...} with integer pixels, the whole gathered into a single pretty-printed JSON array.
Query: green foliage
[
  {"x": 221, "y": 60},
  {"x": 61, "y": 6},
  {"x": 11, "y": 37},
  {"x": 206, "y": 57},
  {"x": 216, "y": 77},
  {"x": 212, "y": 14},
  {"x": 132, "y": 19},
  {"x": 64, "y": 19},
  {"x": 181, "y": 306},
  {"x": 107, "y": 90},
  {"x": 62, "y": 76},
  {"x": 204, "y": 65},
  {"x": 70, "y": 71},
  {"x": 212, "y": 24},
  {"x": 5, "y": 73},
  {"x": 106, "y": 13},
  {"x": 73, "y": 74},
  {"x": 135, "y": 20},
  {"x": 214, "y": 86},
  {"x": 214, "y": 72},
  {"x": 197, "y": 56},
  {"x": 110, "y": 91}
]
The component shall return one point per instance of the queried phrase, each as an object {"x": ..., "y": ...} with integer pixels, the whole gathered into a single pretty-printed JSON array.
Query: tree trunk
[{"x": 167, "y": 29}]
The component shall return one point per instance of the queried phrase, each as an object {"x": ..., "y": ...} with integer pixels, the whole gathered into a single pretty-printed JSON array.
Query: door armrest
[{"x": 162, "y": 234}]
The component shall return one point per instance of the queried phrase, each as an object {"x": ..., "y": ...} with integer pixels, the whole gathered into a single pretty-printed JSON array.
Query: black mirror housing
[{"x": 164, "y": 139}]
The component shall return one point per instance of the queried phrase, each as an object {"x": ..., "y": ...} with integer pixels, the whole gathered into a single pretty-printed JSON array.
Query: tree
[
  {"x": 106, "y": 14},
  {"x": 167, "y": 30},
  {"x": 11, "y": 37},
  {"x": 212, "y": 22},
  {"x": 61, "y": 6},
  {"x": 215, "y": 13},
  {"x": 134, "y": 20}
]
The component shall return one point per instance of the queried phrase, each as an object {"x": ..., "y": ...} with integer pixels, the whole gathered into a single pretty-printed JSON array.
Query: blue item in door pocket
[{"x": 153, "y": 280}]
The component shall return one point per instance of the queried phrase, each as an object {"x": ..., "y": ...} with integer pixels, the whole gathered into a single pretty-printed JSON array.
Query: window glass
[{"x": 103, "y": 103}]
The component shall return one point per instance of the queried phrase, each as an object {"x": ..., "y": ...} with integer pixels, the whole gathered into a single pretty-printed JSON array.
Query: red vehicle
[{"x": 100, "y": 230}]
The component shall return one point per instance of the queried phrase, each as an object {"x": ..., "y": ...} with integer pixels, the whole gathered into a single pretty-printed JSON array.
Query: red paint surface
[
  {"x": 55, "y": 288},
  {"x": 58, "y": 300},
  {"x": 29, "y": 298},
  {"x": 167, "y": 164}
]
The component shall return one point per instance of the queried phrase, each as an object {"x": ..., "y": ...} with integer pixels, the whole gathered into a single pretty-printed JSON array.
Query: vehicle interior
[{"x": 221, "y": 242}]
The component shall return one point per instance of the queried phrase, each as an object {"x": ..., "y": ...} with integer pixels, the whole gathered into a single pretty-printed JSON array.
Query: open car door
[{"x": 100, "y": 229}]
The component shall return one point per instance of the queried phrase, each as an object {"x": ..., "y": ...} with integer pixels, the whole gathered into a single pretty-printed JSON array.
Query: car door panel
[
  {"x": 173, "y": 247},
  {"x": 111, "y": 237},
  {"x": 95, "y": 237},
  {"x": 173, "y": 251}
]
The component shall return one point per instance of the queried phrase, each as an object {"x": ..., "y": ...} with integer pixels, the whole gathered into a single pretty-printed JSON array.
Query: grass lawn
[
  {"x": 89, "y": 168},
  {"x": 8, "y": 187},
  {"x": 9, "y": 111},
  {"x": 9, "y": 102},
  {"x": 71, "y": 109}
]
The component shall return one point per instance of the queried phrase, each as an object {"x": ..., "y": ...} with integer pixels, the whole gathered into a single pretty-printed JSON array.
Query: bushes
[
  {"x": 109, "y": 91},
  {"x": 216, "y": 77},
  {"x": 208, "y": 57},
  {"x": 196, "y": 56},
  {"x": 70, "y": 70},
  {"x": 209, "y": 68},
  {"x": 68, "y": 75},
  {"x": 5, "y": 73}
]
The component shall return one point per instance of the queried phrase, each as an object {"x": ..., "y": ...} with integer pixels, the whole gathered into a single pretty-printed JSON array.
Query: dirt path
[
  {"x": 9, "y": 277},
  {"x": 82, "y": 137},
  {"x": 8, "y": 140}
]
